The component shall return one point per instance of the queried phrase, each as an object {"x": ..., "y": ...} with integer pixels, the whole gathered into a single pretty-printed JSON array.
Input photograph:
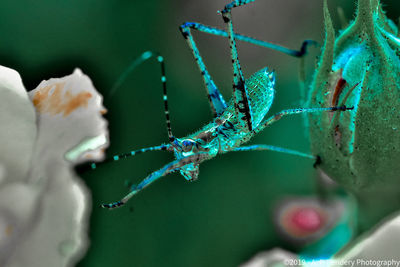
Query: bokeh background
[{"x": 225, "y": 217}]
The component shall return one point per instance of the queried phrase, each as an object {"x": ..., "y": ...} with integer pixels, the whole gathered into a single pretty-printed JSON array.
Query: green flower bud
[{"x": 360, "y": 149}]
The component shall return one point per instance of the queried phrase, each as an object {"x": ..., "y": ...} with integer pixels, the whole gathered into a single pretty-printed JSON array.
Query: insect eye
[{"x": 187, "y": 145}]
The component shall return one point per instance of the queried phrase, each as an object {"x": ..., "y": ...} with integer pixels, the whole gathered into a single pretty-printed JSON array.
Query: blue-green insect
[{"x": 234, "y": 124}]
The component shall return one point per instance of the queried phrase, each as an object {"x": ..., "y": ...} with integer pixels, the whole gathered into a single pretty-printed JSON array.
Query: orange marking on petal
[
  {"x": 77, "y": 101},
  {"x": 53, "y": 99},
  {"x": 88, "y": 156},
  {"x": 8, "y": 231}
]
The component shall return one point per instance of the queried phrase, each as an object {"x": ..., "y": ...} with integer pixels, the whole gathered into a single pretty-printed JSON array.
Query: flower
[{"x": 44, "y": 206}]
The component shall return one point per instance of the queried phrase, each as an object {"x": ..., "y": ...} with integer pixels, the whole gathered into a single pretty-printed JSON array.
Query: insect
[{"x": 234, "y": 123}]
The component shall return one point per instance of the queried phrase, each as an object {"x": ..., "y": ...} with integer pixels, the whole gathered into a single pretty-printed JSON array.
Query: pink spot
[
  {"x": 300, "y": 221},
  {"x": 307, "y": 219}
]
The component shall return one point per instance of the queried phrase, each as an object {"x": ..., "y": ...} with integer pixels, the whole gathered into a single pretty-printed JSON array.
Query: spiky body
[{"x": 234, "y": 124}]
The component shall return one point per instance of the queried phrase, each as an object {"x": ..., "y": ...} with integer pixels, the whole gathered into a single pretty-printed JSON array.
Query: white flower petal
[
  {"x": 69, "y": 113},
  {"x": 18, "y": 213},
  {"x": 382, "y": 243},
  {"x": 56, "y": 235},
  {"x": 44, "y": 220},
  {"x": 2, "y": 173},
  {"x": 273, "y": 258},
  {"x": 18, "y": 126}
]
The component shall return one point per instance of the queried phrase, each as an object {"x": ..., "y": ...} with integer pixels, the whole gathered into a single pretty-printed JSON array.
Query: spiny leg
[
  {"x": 274, "y": 148},
  {"x": 287, "y": 112},
  {"x": 185, "y": 29},
  {"x": 240, "y": 94},
  {"x": 218, "y": 32},
  {"x": 302, "y": 52},
  {"x": 215, "y": 98},
  {"x": 168, "y": 168},
  {"x": 236, "y": 3}
]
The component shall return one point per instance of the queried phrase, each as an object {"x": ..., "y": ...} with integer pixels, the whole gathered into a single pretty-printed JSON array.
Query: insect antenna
[
  {"x": 145, "y": 56},
  {"x": 162, "y": 147},
  {"x": 165, "y": 98},
  {"x": 135, "y": 63}
]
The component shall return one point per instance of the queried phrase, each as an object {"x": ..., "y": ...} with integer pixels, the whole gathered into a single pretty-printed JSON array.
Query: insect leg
[
  {"x": 240, "y": 94},
  {"x": 218, "y": 32},
  {"x": 287, "y": 112},
  {"x": 236, "y": 3},
  {"x": 168, "y": 168},
  {"x": 217, "y": 102},
  {"x": 274, "y": 148}
]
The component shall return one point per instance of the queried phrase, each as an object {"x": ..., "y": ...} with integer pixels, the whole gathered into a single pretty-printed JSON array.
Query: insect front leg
[
  {"x": 240, "y": 94},
  {"x": 167, "y": 169}
]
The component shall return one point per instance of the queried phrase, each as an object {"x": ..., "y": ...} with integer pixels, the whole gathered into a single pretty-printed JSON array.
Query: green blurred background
[{"x": 225, "y": 217}]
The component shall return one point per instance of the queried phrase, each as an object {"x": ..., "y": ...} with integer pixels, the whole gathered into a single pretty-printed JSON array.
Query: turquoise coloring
[{"x": 235, "y": 122}]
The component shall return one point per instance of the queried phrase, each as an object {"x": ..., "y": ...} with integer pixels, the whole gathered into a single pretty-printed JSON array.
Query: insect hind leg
[
  {"x": 263, "y": 147},
  {"x": 295, "y": 111},
  {"x": 240, "y": 93},
  {"x": 279, "y": 48},
  {"x": 215, "y": 98}
]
